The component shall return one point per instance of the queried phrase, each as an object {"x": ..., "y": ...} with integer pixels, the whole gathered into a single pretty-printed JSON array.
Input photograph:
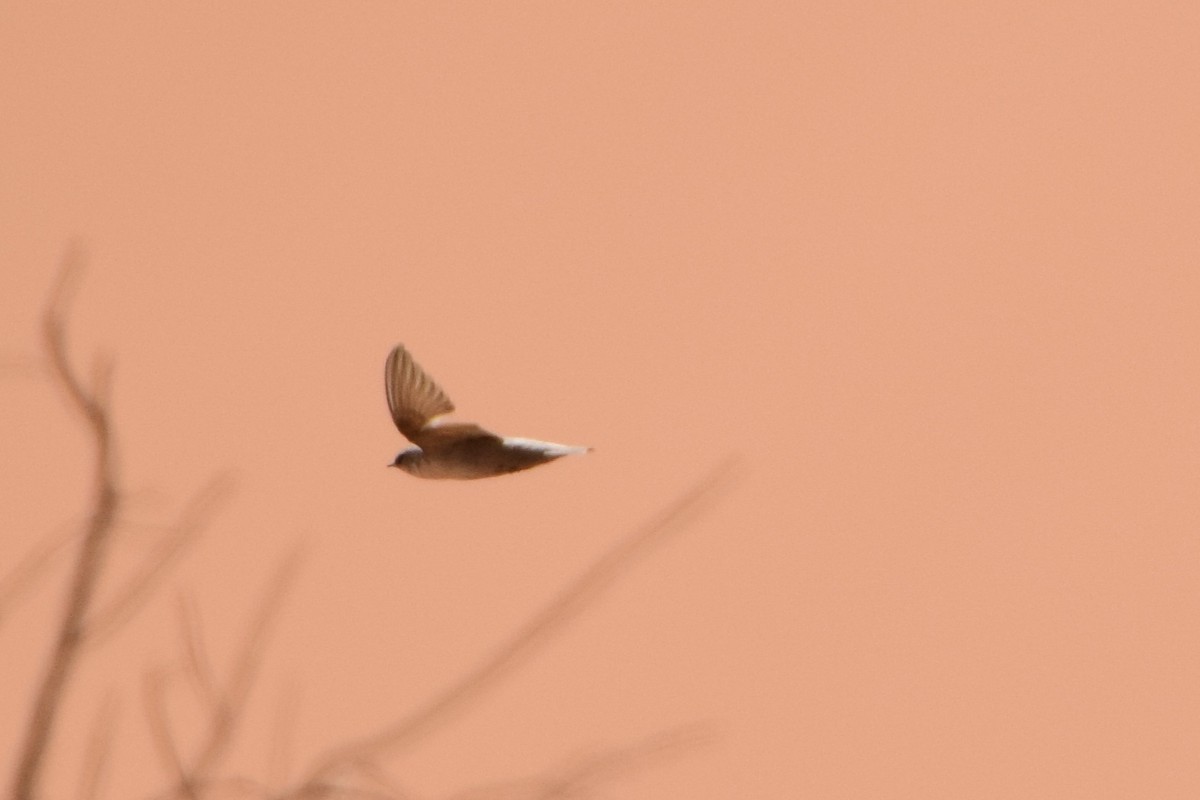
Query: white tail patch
[{"x": 549, "y": 448}]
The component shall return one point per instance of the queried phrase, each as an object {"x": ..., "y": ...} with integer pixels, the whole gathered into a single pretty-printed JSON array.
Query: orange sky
[{"x": 929, "y": 269}]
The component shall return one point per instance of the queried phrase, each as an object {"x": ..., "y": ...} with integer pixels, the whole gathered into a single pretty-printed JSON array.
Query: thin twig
[
  {"x": 553, "y": 616},
  {"x": 383, "y": 784},
  {"x": 133, "y": 596},
  {"x": 610, "y": 764},
  {"x": 227, "y": 712},
  {"x": 594, "y": 769},
  {"x": 199, "y": 667},
  {"x": 25, "y": 574},
  {"x": 154, "y": 685},
  {"x": 92, "y": 408},
  {"x": 95, "y": 759}
]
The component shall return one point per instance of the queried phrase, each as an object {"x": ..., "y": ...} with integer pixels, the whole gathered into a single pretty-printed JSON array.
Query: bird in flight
[{"x": 460, "y": 450}]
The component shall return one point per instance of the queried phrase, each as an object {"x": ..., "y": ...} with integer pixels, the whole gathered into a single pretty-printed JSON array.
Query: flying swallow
[{"x": 460, "y": 450}]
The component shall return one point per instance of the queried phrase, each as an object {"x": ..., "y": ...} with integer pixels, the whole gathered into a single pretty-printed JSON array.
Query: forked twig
[
  {"x": 95, "y": 759},
  {"x": 81, "y": 625},
  {"x": 199, "y": 667},
  {"x": 92, "y": 408},
  {"x": 551, "y": 619},
  {"x": 19, "y": 581},
  {"x": 133, "y": 596},
  {"x": 154, "y": 686},
  {"x": 229, "y": 703}
]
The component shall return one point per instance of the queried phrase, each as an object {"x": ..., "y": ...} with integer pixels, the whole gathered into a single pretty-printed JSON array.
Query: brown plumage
[{"x": 452, "y": 450}]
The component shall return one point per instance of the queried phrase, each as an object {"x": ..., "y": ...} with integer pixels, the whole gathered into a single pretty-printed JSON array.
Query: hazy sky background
[{"x": 929, "y": 268}]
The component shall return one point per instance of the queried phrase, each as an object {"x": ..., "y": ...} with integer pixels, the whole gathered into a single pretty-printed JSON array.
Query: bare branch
[
  {"x": 236, "y": 786},
  {"x": 230, "y": 704},
  {"x": 613, "y": 763},
  {"x": 93, "y": 411},
  {"x": 200, "y": 777},
  {"x": 187, "y": 783},
  {"x": 382, "y": 784},
  {"x": 95, "y": 760},
  {"x": 102, "y": 379},
  {"x": 550, "y": 620},
  {"x": 154, "y": 685},
  {"x": 199, "y": 667},
  {"x": 24, "y": 576},
  {"x": 133, "y": 596},
  {"x": 587, "y": 773}
]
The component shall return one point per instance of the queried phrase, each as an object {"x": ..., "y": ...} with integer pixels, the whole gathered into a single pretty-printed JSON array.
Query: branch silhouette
[
  {"x": 196, "y": 515},
  {"x": 551, "y": 619},
  {"x": 193, "y": 778},
  {"x": 82, "y": 624},
  {"x": 231, "y": 701},
  {"x": 578, "y": 778},
  {"x": 91, "y": 406},
  {"x": 24, "y": 576},
  {"x": 86, "y": 622},
  {"x": 96, "y": 758}
]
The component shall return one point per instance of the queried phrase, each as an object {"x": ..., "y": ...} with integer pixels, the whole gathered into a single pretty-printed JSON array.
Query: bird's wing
[
  {"x": 441, "y": 435},
  {"x": 412, "y": 396}
]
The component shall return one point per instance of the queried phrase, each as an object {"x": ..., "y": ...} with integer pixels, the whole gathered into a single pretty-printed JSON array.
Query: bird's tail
[{"x": 548, "y": 448}]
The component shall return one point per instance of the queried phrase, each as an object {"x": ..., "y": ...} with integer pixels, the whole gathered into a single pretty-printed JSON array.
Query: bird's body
[{"x": 452, "y": 450}]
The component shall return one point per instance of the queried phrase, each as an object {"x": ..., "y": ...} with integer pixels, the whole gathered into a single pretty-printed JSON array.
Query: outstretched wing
[
  {"x": 441, "y": 436},
  {"x": 412, "y": 396}
]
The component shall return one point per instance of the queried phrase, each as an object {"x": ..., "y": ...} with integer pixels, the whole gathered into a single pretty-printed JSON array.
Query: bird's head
[{"x": 406, "y": 458}]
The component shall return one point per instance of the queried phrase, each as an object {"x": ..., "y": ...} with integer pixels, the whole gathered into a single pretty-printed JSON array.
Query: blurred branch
[
  {"x": 199, "y": 668},
  {"x": 536, "y": 632},
  {"x": 228, "y": 705},
  {"x": 241, "y": 679},
  {"x": 617, "y": 761},
  {"x": 23, "y": 577},
  {"x": 82, "y": 625},
  {"x": 154, "y": 685},
  {"x": 607, "y": 765},
  {"x": 102, "y": 623},
  {"x": 130, "y": 599},
  {"x": 95, "y": 759},
  {"x": 92, "y": 408}
]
